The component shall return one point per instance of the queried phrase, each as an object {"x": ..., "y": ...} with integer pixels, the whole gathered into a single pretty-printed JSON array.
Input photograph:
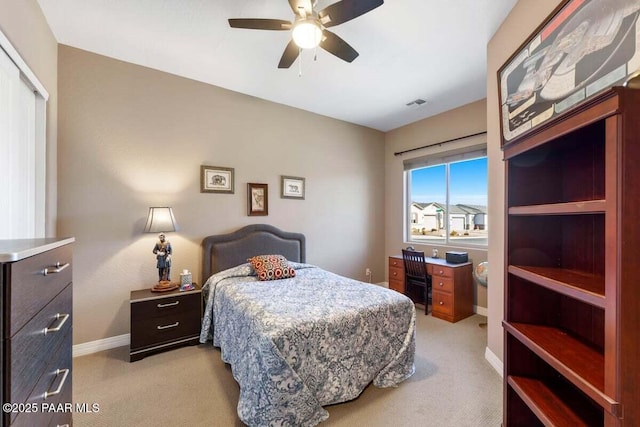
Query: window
[{"x": 447, "y": 199}]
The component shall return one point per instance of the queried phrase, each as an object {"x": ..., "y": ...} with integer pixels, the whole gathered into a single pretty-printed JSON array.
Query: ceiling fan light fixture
[{"x": 307, "y": 33}]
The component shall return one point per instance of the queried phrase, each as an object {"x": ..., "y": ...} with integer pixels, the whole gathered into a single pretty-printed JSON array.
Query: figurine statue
[{"x": 162, "y": 249}]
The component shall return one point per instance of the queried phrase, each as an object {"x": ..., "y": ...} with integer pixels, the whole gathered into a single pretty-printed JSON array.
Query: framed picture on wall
[
  {"x": 583, "y": 48},
  {"x": 216, "y": 179},
  {"x": 257, "y": 199},
  {"x": 292, "y": 187}
]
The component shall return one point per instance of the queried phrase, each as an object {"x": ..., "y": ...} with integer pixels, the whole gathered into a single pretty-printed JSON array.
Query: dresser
[
  {"x": 451, "y": 286},
  {"x": 164, "y": 320},
  {"x": 36, "y": 313}
]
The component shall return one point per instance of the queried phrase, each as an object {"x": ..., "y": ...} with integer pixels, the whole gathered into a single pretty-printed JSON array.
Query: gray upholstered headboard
[{"x": 228, "y": 250}]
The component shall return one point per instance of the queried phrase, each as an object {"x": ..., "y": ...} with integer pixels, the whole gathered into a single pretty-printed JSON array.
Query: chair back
[{"x": 415, "y": 268}]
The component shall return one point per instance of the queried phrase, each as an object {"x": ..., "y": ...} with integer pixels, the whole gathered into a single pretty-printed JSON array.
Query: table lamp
[{"x": 161, "y": 220}]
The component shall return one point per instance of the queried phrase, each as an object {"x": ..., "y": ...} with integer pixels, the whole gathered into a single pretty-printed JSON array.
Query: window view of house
[{"x": 448, "y": 203}]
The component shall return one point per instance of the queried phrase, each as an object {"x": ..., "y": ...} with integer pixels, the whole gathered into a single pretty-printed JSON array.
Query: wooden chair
[{"x": 415, "y": 273}]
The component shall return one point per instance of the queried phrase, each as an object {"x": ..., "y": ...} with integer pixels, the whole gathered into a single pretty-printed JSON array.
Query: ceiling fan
[{"x": 309, "y": 28}]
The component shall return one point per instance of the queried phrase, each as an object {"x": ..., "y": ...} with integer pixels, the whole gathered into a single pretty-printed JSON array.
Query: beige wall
[
  {"x": 23, "y": 23},
  {"x": 131, "y": 137},
  {"x": 467, "y": 120},
  {"x": 525, "y": 17}
]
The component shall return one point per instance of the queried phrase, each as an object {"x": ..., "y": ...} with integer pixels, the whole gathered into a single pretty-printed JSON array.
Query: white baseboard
[
  {"x": 480, "y": 310},
  {"x": 494, "y": 361},
  {"x": 101, "y": 345}
]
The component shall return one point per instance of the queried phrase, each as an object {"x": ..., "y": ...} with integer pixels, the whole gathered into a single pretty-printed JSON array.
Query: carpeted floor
[{"x": 453, "y": 386}]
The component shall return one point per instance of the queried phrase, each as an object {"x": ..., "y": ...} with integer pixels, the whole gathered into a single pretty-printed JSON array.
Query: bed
[{"x": 297, "y": 344}]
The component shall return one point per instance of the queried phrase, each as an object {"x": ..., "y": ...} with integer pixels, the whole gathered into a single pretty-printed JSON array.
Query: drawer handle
[
  {"x": 395, "y": 274},
  {"x": 65, "y": 373},
  {"x": 57, "y": 269},
  {"x": 168, "y": 326},
  {"x": 440, "y": 284},
  {"x": 441, "y": 303},
  {"x": 171, "y": 304},
  {"x": 441, "y": 272},
  {"x": 61, "y": 318}
]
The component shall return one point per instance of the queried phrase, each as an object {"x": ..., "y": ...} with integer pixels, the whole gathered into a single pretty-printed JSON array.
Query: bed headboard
[{"x": 228, "y": 250}]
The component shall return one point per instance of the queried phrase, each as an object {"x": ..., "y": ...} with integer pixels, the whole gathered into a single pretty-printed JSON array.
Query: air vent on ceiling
[{"x": 416, "y": 103}]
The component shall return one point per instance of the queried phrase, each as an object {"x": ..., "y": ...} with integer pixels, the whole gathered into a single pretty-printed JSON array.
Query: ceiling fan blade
[
  {"x": 338, "y": 47},
  {"x": 289, "y": 56},
  {"x": 346, "y": 10},
  {"x": 261, "y": 24},
  {"x": 302, "y": 8}
]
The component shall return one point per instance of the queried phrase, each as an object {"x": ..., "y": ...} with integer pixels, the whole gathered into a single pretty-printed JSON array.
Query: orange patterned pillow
[{"x": 271, "y": 267}]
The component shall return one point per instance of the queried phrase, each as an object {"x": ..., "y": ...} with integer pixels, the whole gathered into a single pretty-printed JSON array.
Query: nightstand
[{"x": 162, "y": 321}]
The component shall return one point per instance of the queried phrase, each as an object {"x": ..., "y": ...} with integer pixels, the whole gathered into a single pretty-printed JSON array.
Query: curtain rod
[{"x": 399, "y": 153}]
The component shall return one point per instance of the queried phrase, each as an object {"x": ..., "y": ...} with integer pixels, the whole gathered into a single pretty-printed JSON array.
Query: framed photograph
[
  {"x": 583, "y": 48},
  {"x": 257, "y": 199},
  {"x": 216, "y": 179},
  {"x": 292, "y": 187}
]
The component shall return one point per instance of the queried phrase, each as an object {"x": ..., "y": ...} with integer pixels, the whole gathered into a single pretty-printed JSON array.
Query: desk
[{"x": 451, "y": 289}]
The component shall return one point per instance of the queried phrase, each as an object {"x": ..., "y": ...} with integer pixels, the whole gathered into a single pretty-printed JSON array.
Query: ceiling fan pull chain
[
  {"x": 300, "y": 62},
  {"x": 315, "y": 54}
]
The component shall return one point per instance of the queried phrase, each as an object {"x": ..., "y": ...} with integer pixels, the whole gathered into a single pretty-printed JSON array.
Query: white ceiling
[{"x": 409, "y": 49}]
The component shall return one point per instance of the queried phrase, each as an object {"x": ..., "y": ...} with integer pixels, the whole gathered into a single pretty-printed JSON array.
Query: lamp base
[{"x": 164, "y": 286}]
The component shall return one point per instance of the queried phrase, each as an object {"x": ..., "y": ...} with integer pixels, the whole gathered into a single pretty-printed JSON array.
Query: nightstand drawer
[
  {"x": 154, "y": 331},
  {"x": 442, "y": 303},
  {"x": 173, "y": 305},
  {"x": 443, "y": 284}
]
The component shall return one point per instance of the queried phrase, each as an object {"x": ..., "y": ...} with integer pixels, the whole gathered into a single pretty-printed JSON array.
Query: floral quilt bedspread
[{"x": 298, "y": 344}]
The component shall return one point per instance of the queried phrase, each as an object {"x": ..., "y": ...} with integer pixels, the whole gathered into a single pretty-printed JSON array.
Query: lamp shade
[
  {"x": 307, "y": 34},
  {"x": 160, "y": 219}
]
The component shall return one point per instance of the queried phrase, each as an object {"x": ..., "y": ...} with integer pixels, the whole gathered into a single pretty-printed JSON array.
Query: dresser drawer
[
  {"x": 31, "y": 289},
  {"x": 442, "y": 303},
  {"x": 442, "y": 271},
  {"x": 62, "y": 419},
  {"x": 54, "y": 376},
  {"x": 31, "y": 348},
  {"x": 165, "y": 308},
  {"x": 439, "y": 283}
]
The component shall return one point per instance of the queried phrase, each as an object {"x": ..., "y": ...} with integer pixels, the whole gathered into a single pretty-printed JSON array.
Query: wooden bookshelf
[{"x": 572, "y": 341}]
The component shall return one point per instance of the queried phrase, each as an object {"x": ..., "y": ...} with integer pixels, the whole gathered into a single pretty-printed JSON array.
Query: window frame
[{"x": 446, "y": 159}]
